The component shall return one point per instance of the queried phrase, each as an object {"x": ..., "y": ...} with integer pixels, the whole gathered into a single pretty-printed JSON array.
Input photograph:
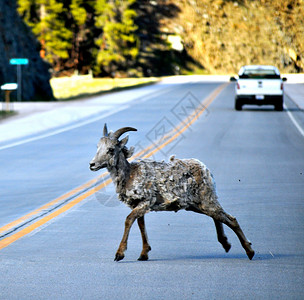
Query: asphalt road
[{"x": 257, "y": 158}]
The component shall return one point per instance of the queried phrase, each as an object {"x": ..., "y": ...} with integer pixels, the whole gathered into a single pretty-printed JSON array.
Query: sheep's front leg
[
  {"x": 146, "y": 246},
  {"x": 136, "y": 213},
  {"x": 222, "y": 238}
]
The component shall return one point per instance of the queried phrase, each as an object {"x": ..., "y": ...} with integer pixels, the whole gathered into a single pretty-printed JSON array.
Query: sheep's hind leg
[
  {"x": 222, "y": 238},
  {"x": 232, "y": 222},
  {"x": 220, "y": 216},
  {"x": 146, "y": 246}
]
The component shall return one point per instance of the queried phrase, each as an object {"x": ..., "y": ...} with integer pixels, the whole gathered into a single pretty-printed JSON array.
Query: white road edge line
[
  {"x": 65, "y": 128},
  {"x": 294, "y": 121}
]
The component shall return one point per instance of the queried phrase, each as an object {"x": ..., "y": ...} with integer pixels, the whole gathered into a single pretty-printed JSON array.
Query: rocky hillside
[
  {"x": 223, "y": 35},
  {"x": 17, "y": 41}
]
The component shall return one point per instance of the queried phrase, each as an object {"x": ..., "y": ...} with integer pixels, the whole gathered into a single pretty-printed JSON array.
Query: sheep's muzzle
[{"x": 96, "y": 166}]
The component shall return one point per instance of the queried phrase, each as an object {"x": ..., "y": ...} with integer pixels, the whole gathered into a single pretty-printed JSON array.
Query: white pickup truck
[{"x": 259, "y": 85}]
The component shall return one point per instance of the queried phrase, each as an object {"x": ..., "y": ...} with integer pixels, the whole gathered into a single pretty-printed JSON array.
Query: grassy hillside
[{"x": 224, "y": 35}]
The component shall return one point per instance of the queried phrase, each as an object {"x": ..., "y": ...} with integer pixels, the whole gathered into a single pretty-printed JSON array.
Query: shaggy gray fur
[{"x": 147, "y": 185}]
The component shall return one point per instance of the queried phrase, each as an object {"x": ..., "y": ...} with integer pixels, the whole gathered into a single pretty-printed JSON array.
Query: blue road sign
[{"x": 19, "y": 61}]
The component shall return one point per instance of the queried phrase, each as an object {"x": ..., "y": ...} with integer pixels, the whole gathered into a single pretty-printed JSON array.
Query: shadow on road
[{"x": 257, "y": 257}]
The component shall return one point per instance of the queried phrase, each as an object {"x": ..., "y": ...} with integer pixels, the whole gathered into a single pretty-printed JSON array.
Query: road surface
[{"x": 61, "y": 223}]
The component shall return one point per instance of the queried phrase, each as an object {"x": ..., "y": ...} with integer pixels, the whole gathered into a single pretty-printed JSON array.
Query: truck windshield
[{"x": 259, "y": 74}]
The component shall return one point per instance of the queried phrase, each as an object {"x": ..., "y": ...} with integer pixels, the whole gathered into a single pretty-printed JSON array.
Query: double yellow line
[{"x": 64, "y": 204}]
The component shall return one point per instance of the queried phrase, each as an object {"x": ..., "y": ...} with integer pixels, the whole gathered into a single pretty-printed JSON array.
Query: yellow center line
[
  {"x": 9, "y": 240},
  {"x": 12, "y": 238},
  {"x": 47, "y": 205}
]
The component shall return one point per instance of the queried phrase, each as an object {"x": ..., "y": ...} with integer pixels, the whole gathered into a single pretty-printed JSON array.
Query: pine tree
[
  {"x": 118, "y": 44},
  {"x": 103, "y": 35},
  {"x": 79, "y": 15},
  {"x": 57, "y": 38},
  {"x": 47, "y": 20},
  {"x": 27, "y": 9}
]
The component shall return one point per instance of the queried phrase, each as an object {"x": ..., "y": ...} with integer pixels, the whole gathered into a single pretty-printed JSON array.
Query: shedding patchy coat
[{"x": 178, "y": 184}]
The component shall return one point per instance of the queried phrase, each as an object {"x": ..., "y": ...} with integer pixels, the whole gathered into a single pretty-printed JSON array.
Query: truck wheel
[
  {"x": 238, "y": 105},
  {"x": 279, "y": 106}
]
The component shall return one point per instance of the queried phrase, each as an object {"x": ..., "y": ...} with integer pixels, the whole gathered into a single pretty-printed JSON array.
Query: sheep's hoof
[
  {"x": 119, "y": 257},
  {"x": 250, "y": 254},
  {"x": 143, "y": 257},
  {"x": 227, "y": 247}
]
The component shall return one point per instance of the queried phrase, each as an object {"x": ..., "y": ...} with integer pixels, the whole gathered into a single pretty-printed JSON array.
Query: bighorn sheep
[{"x": 159, "y": 186}]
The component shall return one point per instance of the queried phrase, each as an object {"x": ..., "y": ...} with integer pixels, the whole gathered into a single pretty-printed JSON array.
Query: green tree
[
  {"x": 103, "y": 35},
  {"x": 27, "y": 9},
  {"x": 79, "y": 15},
  {"x": 118, "y": 44},
  {"x": 47, "y": 19}
]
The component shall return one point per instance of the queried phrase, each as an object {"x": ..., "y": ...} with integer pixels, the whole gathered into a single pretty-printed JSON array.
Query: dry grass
[{"x": 77, "y": 86}]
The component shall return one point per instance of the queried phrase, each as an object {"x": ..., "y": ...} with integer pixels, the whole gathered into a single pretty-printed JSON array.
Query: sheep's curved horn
[
  {"x": 105, "y": 130},
  {"x": 121, "y": 131}
]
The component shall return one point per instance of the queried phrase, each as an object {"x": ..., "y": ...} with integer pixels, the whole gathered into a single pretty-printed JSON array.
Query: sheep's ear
[
  {"x": 123, "y": 142},
  {"x": 130, "y": 152}
]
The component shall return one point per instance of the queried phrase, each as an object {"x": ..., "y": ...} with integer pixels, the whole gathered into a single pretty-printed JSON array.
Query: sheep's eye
[{"x": 111, "y": 151}]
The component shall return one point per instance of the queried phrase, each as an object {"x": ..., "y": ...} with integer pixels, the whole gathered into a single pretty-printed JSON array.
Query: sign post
[
  {"x": 8, "y": 88},
  {"x": 19, "y": 62}
]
